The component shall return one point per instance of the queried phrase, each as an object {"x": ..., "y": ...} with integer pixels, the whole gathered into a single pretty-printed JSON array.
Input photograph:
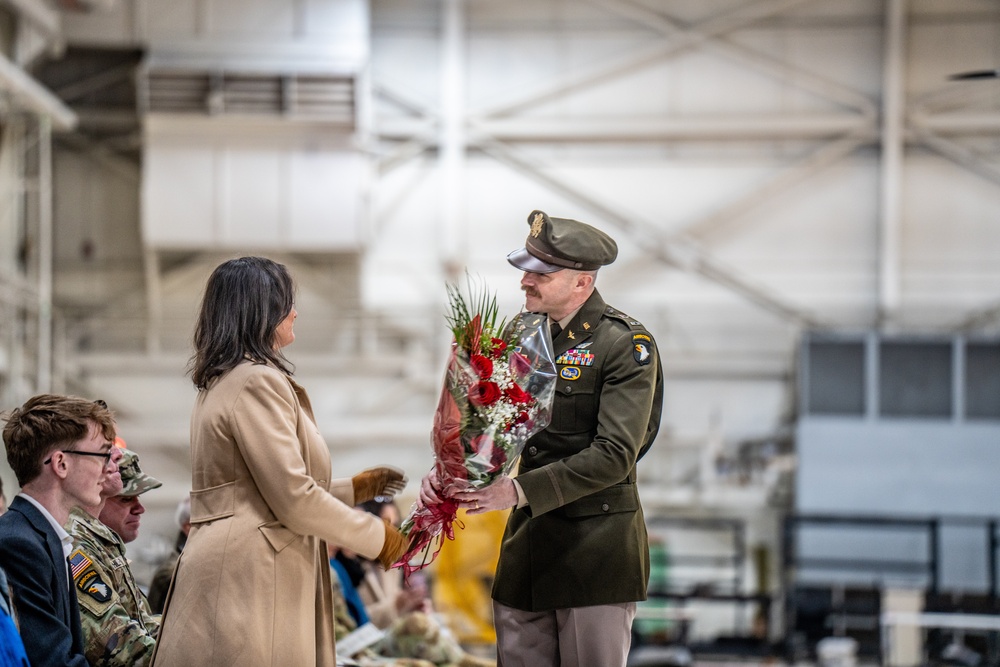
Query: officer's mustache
[{"x": 530, "y": 291}]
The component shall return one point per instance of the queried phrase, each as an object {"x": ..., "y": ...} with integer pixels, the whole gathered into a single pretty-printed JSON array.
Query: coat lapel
[{"x": 41, "y": 525}]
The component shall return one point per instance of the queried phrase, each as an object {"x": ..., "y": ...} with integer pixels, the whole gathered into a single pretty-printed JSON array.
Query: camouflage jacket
[{"x": 118, "y": 626}]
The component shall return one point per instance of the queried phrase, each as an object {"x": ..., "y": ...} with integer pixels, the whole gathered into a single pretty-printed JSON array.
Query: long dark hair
[{"x": 245, "y": 301}]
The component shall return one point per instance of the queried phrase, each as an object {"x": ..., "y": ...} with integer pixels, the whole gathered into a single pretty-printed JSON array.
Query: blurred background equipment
[{"x": 804, "y": 194}]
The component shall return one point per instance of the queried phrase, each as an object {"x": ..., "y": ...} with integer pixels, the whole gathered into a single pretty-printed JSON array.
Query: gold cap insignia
[{"x": 536, "y": 225}]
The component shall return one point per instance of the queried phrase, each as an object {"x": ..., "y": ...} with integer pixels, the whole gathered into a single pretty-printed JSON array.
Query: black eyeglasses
[{"x": 104, "y": 455}]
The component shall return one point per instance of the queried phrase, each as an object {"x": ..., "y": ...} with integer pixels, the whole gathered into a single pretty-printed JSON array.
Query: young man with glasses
[{"x": 61, "y": 450}]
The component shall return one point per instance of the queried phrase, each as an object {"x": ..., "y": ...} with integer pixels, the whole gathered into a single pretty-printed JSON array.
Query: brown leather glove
[
  {"x": 394, "y": 546},
  {"x": 382, "y": 481}
]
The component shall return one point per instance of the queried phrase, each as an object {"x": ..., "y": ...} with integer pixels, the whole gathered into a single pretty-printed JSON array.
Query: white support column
[
  {"x": 890, "y": 199},
  {"x": 45, "y": 250},
  {"x": 452, "y": 143}
]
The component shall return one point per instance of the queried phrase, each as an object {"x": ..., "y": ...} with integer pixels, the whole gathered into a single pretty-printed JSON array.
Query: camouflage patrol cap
[
  {"x": 554, "y": 244},
  {"x": 134, "y": 480}
]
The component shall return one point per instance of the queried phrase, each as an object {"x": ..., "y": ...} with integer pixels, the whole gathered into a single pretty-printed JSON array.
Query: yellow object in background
[{"x": 464, "y": 572}]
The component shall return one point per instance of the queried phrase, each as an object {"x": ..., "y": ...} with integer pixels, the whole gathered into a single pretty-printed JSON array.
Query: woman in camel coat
[{"x": 252, "y": 586}]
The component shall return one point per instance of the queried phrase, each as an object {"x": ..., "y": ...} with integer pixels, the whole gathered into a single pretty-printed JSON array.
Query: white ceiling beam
[
  {"x": 688, "y": 256},
  {"x": 781, "y": 70},
  {"x": 95, "y": 82},
  {"x": 121, "y": 166},
  {"x": 722, "y": 220},
  {"x": 958, "y": 122},
  {"x": 960, "y": 155},
  {"x": 752, "y": 127},
  {"x": 38, "y": 14},
  {"x": 659, "y": 128},
  {"x": 702, "y": 32},
  {"x": 35, "y": 97},
  {"x": 953, "y": 95}
]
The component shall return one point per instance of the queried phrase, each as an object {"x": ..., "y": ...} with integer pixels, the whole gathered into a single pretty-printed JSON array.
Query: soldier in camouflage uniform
[{"x": 118, "y": 626}]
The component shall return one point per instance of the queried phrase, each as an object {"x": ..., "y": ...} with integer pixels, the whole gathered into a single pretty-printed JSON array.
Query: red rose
[
  {"x": 519, "y": 364},
  {"x": 482, "y": 444},
  {"x": 499, "y": 345},
  {"x": 484, "y": 393},
  {"x": 517, "y": 395},
  {"x": 498, "y": 459},
  {"x": 482, "y": 365},
  {"x": 521, "y": 418}
]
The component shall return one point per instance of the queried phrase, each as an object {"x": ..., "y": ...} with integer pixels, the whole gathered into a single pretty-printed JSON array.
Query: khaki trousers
[{"x": 597, "y": 636}]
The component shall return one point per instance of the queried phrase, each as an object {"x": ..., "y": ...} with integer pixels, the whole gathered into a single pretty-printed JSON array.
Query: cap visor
[
  {"x": 142, "y": 486},
  {"x": 524, "y": 260}
]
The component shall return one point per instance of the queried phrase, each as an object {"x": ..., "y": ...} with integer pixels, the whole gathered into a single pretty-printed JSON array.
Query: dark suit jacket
[
  {"x": 47, "y": 614},
  {"x": 581, "y": 540}
]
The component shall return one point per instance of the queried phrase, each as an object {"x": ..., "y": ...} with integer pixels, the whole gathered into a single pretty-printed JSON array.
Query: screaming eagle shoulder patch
[
  {"x": 93, "y": 591},
  {"x": 91, "y": 584},
  {"x": 642, "y": 348}
]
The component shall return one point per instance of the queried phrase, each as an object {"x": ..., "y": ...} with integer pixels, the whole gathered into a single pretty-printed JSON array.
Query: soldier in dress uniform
[
  {"x": 575, "y": 557},
  {"x": 118, "y": 626}
]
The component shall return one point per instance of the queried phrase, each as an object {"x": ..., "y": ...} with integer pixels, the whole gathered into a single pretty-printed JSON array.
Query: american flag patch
[{"x": 78, "y": 562}]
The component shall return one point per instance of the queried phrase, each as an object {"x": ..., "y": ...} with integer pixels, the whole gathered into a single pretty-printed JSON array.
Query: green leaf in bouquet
[{"x": 472, "y": 316}]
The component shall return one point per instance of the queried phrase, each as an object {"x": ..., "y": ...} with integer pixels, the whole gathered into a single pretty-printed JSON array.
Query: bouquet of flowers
[{"x": 497, "y": 393}]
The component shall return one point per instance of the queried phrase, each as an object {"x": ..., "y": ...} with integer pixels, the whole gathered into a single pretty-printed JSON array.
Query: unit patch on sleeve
[
  {"x": 642, "y": 348},
  {"x": 91, "y": 585}
]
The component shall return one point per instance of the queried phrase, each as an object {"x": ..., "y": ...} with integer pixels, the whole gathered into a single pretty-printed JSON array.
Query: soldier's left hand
[
  {"x": 499, "y": 495},
  {"x": 384, "y": 481}
]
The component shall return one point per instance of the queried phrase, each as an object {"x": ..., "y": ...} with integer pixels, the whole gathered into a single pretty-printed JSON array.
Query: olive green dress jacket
[
  {"x": 581, "y": 539},
  {"x": 252, "y": 586}
]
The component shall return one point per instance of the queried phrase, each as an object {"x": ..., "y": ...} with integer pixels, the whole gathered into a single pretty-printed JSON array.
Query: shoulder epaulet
[
  {"x": 631, "y": 322},
  {"x": 642, "y": 341}
]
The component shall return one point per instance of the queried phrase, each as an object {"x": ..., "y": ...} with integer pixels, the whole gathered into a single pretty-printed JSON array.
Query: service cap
[
  {"x": 134, "y": 480},
  {"x": 554, "y": 244}
]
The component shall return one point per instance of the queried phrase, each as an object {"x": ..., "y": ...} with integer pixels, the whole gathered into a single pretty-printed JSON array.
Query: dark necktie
[{"x": 554, "y": 329}]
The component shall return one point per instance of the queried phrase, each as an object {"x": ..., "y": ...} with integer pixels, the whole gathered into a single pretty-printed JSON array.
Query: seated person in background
[
  {"x": 118, "y": 626},
  {"x": 402, "y": 612},
  {"x": 165, "y": 572},
  {"x": 384, "y": 593},
  {"x": 61, "y": 449},
  {"x": 416, "y": 640},
  {"x": 349, "y": 574}
]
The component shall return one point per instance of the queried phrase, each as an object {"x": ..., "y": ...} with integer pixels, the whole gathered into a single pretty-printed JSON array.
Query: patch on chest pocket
[{"x": 570, "y": 373}]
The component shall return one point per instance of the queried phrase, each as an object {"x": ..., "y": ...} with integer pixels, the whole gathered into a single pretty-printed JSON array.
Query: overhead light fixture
[{"x": 976, "y": 74}]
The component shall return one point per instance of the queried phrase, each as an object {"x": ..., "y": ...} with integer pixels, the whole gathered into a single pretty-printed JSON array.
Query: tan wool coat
[{"x": 252, "y": 586}]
